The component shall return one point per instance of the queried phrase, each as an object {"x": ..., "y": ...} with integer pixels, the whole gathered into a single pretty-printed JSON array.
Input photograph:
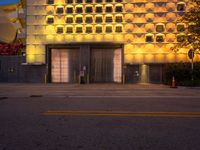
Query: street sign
[{"x": 191, "y": 53}]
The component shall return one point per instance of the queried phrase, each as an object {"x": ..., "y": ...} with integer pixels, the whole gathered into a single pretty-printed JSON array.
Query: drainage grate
[
  {"x": 36, "y": 96},
  {"x": 2, "y": 98}
]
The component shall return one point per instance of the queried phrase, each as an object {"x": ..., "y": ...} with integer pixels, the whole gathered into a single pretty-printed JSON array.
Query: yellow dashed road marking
[{"x": 121, "y": 113}]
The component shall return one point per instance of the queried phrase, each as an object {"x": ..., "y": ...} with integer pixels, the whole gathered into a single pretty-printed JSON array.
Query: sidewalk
[{"x": 42, "y": 90}]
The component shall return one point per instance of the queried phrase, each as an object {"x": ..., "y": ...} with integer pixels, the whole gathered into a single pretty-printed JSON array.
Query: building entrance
[
  {"x": 64, "y": 65},
  {"x": 143, "y": 73},
  {"x": 105, "y": 65},
  {"x": 85, "y": 63}
]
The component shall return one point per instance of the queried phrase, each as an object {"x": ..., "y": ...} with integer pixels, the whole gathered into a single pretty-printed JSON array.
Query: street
[{"x": 91, "y": 121}]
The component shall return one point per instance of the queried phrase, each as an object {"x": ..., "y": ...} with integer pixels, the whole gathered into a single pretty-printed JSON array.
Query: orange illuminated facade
[{"x": 145, "y": 30}]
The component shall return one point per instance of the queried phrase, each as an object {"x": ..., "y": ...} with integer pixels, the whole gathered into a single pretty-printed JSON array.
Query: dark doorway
[
  {"x": 155, "y": 73},
  {"x": 132, "y": 74}
]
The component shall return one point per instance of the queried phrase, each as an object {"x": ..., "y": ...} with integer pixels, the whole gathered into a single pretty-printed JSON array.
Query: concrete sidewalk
[{"x": 128, "y": 90}]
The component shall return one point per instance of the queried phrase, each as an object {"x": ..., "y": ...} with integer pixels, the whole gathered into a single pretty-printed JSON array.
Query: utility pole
[
  {"x": 191, "y": 56},
  {"x": 192, "y": 69}
]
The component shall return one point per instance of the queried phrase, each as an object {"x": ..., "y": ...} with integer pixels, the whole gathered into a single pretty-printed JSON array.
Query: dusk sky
[{"x": 6, "y": 2}]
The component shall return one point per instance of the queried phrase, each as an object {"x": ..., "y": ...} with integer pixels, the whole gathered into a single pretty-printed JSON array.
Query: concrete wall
[{"x": 12, "y": 70}]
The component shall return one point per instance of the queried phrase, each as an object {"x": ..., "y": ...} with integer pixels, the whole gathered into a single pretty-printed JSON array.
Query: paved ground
[
  {"x": 99, "y": 117},
  {"x": 67, "y": 90}
]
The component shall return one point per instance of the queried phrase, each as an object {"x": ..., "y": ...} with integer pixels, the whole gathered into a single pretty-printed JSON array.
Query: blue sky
[{"x": 6, "y": 2}]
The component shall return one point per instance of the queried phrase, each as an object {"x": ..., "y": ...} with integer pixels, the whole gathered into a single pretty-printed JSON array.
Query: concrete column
[{"x": 144, "y": 73}]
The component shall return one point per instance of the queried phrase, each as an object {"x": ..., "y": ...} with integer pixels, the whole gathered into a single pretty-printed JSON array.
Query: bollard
[
  {"x": 88, "y": 79},
  {"x": 79, "y": 79},
  {"x": 45, "y": 79},
  {"x": 123, "y": 78}
]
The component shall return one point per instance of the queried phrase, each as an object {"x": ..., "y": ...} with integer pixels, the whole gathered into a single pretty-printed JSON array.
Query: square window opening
[
  {"x": 159, "y": 39},
  {"x": 98, "y": 29},
  {"x": 60, "y": 30},
  {"x": 59, "y": 11},
  {"x": 108, "y": 29}
]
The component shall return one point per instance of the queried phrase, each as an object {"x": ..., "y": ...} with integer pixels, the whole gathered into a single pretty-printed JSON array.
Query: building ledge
[{"x": 32, "y": 64}]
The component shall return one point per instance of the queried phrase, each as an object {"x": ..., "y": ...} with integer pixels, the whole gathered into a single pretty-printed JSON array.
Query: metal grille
[
  {"x": 106, "y": 65},
  {"x": 64, "y": 65}
]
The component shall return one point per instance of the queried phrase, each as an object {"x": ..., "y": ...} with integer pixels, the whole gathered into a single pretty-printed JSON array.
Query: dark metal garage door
[
  {"x": 106, "y": 65},
  {"x": 64, "y": 65},
  {"x": 132, "y": 74},
  {"x": 155, "y": 73}
]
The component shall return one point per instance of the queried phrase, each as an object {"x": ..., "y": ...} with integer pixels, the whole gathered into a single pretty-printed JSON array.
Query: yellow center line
[{"x": 121, "y": 113}]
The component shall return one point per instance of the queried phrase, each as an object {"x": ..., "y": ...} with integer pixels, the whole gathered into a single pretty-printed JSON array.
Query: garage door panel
[
  {"x": 106, "y": 65},
  {"x": 64, "y": 63},
  {"x": 117, "y": 60}
]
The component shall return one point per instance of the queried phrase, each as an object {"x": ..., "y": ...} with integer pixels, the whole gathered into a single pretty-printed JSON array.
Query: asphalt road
[{"x": 100, "y": 123}]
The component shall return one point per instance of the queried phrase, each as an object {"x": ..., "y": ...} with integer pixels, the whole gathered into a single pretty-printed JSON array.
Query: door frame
[
  {"x": 48, "y": 57},
  {"x": 78, "y": 46}
]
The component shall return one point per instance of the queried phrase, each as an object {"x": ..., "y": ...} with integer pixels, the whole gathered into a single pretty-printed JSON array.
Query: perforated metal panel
[
  {"x": 106, "y": 65},
  {"x": 64, "y": 65}
]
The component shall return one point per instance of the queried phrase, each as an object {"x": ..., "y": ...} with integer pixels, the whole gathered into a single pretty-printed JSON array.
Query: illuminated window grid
[
  {"x": 104, "y": 20},
  {"x": 99, "y": 19},
  {"x": 92, "y": 19},
  {"x": 112, "y": 8},
  {"x": 83, "y": 25},
  {"x": 87, "y": 9},
  {"x": 90, "y": 29},
  {"x": 40, "y": 26},
  {"x": 53, "y": 2}
]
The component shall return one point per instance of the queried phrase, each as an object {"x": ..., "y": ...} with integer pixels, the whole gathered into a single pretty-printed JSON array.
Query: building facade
[{"x": 102, "y": 41}]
